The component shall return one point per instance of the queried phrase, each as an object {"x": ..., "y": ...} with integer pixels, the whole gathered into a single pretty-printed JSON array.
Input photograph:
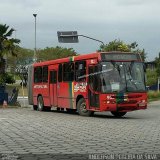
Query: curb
[{"x": 25, "y": 97}]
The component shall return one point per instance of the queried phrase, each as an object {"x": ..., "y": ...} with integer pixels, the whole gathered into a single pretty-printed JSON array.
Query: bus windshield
[{"x": 122, "y": 77}]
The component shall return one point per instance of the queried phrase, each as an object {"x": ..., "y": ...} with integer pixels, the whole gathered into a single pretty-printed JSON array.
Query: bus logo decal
[
  {"x": 40, "y": 86},
  {"x": 80, "y": 87}
]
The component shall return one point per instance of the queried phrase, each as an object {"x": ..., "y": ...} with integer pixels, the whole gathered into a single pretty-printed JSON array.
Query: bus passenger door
[
  {"x": 53, "y": 87},
  {"x": 94, "y": 86}
]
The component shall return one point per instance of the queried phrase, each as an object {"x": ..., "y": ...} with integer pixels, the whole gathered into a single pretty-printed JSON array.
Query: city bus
[{"x": 88, "y": 83}]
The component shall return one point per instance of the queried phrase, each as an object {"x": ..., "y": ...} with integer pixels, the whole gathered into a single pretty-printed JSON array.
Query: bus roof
[
  {"x": 88, "y": 56},
  {"x": 68, "y": 59}
]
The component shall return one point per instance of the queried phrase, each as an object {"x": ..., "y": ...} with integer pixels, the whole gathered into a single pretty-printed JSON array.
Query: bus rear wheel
[
  {"x": 81, "y": 107},
  {"x": 40, "y": 104},
  {"x": 118, "y": 114}
]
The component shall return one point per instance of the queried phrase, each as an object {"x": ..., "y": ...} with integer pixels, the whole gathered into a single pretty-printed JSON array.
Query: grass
[{"x": 153, "y": 96}]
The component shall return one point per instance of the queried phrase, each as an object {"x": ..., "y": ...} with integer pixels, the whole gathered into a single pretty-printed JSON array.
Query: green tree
[
  {"x": 119, "y": 45},
  {"x": 157, "y": 61},
  {"x": 50, "y": 53},
  {"x": 116, "y": 45},
  {"x": 7, "y": 44},
  {"x": 6, "y": 78},
  {"x": 25, "y": 56},
  {"x": 7, "y": 47}
]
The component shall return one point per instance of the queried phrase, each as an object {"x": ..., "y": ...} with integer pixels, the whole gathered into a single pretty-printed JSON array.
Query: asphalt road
[{"x": 46, "y": 135}]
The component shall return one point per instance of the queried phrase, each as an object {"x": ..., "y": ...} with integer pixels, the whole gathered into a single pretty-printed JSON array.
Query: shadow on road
[{"x": 102, "y": 115}]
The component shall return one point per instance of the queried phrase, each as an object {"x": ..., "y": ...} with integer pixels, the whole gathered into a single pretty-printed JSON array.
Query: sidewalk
[{"x": 154, "y": 102}]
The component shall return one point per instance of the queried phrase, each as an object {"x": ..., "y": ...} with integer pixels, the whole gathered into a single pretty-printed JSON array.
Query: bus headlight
[{"x": 142, "y": 103}]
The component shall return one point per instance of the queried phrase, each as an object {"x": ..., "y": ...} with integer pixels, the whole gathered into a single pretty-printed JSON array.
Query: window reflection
[{"x": 122, "y": 77}]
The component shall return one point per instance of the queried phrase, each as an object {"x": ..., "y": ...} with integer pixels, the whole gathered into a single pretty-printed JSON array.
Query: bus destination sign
[{"x": 120, "y": 56}]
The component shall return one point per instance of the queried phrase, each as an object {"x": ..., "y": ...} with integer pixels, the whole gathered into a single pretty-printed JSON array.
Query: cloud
[
  {"x": 129, "y": 20},
  {"x": 22, "y": 3},
  {"x": 136, "y": 2}
]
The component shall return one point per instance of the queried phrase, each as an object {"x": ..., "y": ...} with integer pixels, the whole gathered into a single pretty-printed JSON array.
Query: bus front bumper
[{"x": 129, "y": 104}]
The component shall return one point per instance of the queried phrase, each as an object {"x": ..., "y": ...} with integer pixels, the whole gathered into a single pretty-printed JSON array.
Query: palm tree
[{"x": 7, "y": 44}]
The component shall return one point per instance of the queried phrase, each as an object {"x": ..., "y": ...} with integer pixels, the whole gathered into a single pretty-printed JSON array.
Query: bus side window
[
  {"x": 37, "y": 74},
  {"x": 68, "y": 71},
  {"x": 45, "y": 74},
  {"x": 60, "y": 73},
  {"x": 80, "y": 71}
]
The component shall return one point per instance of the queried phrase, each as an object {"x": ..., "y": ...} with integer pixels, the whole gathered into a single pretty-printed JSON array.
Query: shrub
[
  {"x": 153, "y": 95},
  {"x": 151, "y": 77},
  {"x": 6, "y": 78}
]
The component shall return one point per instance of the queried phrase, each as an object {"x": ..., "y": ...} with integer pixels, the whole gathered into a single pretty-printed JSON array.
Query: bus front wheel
[
  {"x": 118, "y": 114},
  {"x": 81, "y": 107}
]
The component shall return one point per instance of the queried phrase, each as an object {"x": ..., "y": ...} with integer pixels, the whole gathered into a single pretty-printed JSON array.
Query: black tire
[
  {"x": 35, "y": 107},
  {"x": 118, "y": 114},
  {"x": 69, "y": 110},
  {"x": 48, "y": 109},
  {"x": 40, "y": 104},
  {"x": 81, "y": 108}
]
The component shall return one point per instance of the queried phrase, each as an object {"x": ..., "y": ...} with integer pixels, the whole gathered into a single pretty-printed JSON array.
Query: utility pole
[
  {"x": 158, "y": 83},
  {"x": 35, "y": 38}
]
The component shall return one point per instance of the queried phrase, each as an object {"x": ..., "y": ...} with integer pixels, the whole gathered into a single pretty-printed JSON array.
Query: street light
[{"x": 35, "y": 56}]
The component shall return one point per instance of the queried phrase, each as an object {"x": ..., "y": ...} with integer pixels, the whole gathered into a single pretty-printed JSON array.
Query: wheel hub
[
  {"x": 39, "y": 105},
  {"x": 83, "y": 107}
]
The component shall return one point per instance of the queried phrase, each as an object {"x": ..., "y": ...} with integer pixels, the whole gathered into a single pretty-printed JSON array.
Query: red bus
[{"x": 96, "y": 82}]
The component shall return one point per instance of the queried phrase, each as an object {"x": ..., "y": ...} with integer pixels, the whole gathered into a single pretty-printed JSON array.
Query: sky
[{"x": 105, "y": 20}]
